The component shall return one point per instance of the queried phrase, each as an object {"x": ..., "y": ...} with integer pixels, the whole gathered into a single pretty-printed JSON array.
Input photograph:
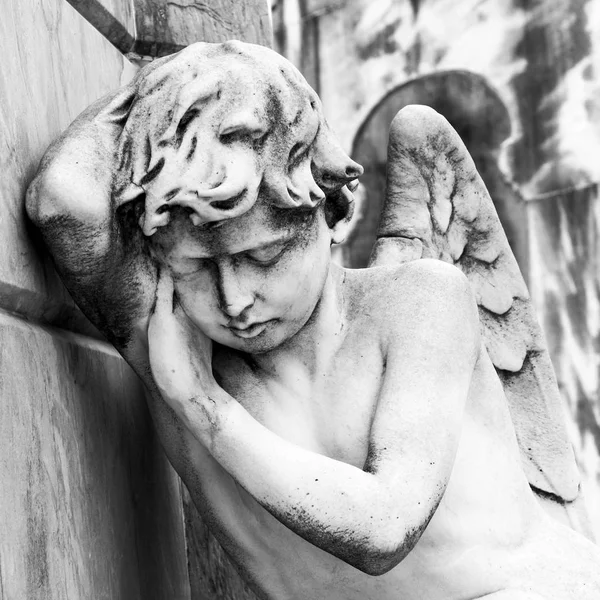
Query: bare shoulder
[
  {"x": 419, "y": 276},
  {"x": 399, "y": 287},
  {"x": 420, "y": 295}
]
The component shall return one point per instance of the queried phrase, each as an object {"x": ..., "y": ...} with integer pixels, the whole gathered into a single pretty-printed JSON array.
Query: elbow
[
  {"x": 69, "y": 186},
  {"x": 47, "y": 198},
  {"x": 376, "y": 565},
  {"x": 380, "y": 555},
  {"x": 33, "y": 202}
]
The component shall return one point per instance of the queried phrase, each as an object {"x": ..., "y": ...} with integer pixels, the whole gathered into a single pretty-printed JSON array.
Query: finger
[
  {"x": 164, "y": 293},
  {"x": 162, "y": 325},
  {"x": 164, "y": 341},
  {"x": 172, "y": 336},
  {"x": 170, "y": 332},
  {"x": 197, "y": 340}
]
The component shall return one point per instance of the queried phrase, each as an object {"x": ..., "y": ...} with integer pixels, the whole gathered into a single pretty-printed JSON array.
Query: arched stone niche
[{"x": 477, "y": 112}]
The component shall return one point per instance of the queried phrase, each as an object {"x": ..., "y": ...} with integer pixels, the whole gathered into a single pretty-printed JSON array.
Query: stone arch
[{"x": 477, "y": 112}]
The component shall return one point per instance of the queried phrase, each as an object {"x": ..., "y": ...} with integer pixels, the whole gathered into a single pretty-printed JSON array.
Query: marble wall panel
[
  {"x": 151, "y": 28},
  {"x": 54, "y": 65},
  {"x": 213, "y": 575},
  {"x": 114, "y": 19},
  {"x": 89, "y": 506},
  {"x": 165, "y": 27}
]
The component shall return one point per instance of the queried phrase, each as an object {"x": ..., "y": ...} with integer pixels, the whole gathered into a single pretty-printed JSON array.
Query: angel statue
[{"x": 381, "y": 433}]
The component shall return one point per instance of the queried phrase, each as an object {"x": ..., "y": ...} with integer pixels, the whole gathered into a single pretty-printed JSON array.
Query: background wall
[
  {"x": 89, "y": 505},
  {"x": 520, "y": 81}
]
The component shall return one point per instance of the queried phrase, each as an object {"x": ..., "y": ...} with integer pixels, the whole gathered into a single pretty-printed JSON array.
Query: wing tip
[{"x": 416, "y": 123}]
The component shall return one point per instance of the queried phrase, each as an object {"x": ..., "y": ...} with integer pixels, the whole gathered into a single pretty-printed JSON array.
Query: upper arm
[
  {"x": 98, "y": 252},
  {"x": 431, "y": 350}
]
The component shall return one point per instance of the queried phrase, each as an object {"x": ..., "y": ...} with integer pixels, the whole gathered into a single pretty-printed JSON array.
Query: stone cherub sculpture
[{"x": 344, "y": 432}]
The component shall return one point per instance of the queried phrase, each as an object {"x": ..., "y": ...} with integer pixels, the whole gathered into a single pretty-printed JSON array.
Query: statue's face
[
  {"x": 252, "y": 282},
  {"x": 215, "y": 138}
]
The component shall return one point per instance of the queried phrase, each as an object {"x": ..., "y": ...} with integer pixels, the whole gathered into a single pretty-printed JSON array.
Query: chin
[
  {"x": 265, "y": 341},
  {"x": 257, "y": 345}
]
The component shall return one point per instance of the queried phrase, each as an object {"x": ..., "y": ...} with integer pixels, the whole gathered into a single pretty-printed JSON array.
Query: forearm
[
  {"x": 335, "y": 506},
  {"x": 369, "y": 519}
]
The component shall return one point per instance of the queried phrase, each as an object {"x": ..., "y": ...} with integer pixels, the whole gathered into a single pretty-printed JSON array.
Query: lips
[{"x": 248, "y": 331}]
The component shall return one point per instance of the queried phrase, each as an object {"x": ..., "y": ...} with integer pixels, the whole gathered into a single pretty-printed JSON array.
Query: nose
[
  {"x": 354, "y": 170},
  {"x": 234, "y": 298}
]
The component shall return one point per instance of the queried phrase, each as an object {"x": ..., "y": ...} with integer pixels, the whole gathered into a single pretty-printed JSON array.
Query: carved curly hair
[{"x": 216, "y": 125}]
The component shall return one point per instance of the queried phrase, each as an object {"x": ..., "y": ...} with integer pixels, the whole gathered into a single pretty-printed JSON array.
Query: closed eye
[
  {"x": 297, "y": 154},
  {"x": 267, "y": 255}
]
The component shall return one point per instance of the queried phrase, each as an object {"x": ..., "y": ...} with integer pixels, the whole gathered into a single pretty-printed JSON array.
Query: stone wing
[{"x": 437, "y": 206}]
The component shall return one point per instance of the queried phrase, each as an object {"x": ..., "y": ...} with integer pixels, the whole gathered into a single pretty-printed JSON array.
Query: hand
[{"x": 181, "y": 363}]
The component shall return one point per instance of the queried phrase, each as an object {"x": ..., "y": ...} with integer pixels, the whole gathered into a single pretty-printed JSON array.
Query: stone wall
[{"x": 89, "y": 506}]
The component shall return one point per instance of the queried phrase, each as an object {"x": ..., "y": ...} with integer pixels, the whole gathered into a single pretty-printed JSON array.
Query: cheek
[{"x": 301, "y": 282}]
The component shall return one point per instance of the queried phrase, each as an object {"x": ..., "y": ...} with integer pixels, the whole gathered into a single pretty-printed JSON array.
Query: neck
[{"x": 310, "y": 351}]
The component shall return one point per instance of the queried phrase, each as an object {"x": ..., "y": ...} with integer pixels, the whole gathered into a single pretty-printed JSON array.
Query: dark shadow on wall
[{"x": 480, "y": 117}]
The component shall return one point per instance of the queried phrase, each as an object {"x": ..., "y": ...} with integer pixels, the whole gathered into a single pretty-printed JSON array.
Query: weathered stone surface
[
  {"x": 166, "y": 27},
  {"x": 89, "y": 507}
]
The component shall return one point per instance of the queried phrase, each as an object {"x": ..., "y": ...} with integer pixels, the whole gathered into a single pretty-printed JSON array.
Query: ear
[{"x": 339, "y": 209}]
